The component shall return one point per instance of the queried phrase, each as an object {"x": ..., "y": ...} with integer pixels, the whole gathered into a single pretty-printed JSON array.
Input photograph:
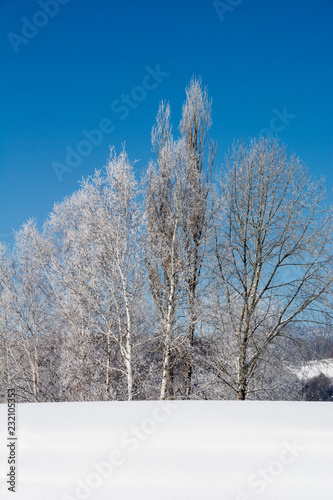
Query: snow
[
  {"x": 314, "y": 368},
  {"x": 214, "y": 450}
]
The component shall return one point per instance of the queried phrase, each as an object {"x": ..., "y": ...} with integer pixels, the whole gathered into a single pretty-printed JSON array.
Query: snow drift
[{"x": 194, "y": 450}]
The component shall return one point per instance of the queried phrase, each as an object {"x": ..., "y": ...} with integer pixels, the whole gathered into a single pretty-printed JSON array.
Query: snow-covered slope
[
  {"x": 192, "y": 450},
  {"x": 314, "y": 368}
]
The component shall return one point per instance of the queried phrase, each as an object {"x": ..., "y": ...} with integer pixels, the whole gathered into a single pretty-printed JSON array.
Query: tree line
[{"x": 192, "y": 282}]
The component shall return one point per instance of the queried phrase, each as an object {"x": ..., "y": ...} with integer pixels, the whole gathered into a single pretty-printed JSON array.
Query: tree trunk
[
  {"x": 189, "y": 369},
  {"x": 170, "y": 379},
  {"x": 242, "y": 375},
  {"x": 165, "y": 371},
  {"x": 108, "y": 363},
  {"x": 188, "y": 361}
]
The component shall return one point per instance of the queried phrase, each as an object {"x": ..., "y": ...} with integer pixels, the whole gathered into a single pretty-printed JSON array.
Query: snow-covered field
[
  {"x": 314, "y": 368},
  {"x": 193, "y": 450}
]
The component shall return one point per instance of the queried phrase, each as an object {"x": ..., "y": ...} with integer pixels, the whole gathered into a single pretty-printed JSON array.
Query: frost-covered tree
[
  {"x": 97, "y": 273},
  {"x": 115, "y": 219},
  {"x": 165, "y": 206},
  {"x": 5, "y": 325},
  {"x": 27, "y": 332},
  {"x": 194, "y": 126},
  {"x": 273, "y": 252},
  {"x": 192, "y": 185}
]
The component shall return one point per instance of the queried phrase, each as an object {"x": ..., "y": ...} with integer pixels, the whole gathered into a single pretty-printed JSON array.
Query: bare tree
[
  {"x": 116, "y": 225},
  {"x": 194, "y": 127},
  {"x": 26, "y": 327},
  {"x": 273, "y": 253},
  {"x": 193, "y": 187},
  {"x": 167, "y": 194},
  {"x": 5, "y": 327},
  {"x": 66, "y": 260},
  {"x": 97, "y": 273}
]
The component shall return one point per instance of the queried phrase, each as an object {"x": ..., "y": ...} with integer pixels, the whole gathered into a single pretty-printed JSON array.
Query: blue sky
[{"x": 68, "y": 75}]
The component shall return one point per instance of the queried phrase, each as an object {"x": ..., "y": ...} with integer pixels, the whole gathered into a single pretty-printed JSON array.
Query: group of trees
[{"x": 184, "y": 284}]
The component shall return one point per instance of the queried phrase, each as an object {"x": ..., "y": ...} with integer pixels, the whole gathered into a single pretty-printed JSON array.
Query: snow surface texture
[{"x": 214, "y": 450}]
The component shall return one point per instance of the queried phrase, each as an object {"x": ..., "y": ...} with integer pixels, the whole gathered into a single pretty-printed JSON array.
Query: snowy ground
[
  {"x": 180, "y": 450},
  {"x": 314, "y": 368}
]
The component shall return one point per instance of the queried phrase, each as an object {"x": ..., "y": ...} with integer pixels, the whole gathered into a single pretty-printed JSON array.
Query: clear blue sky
[{"x": 62, "y": 78}]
